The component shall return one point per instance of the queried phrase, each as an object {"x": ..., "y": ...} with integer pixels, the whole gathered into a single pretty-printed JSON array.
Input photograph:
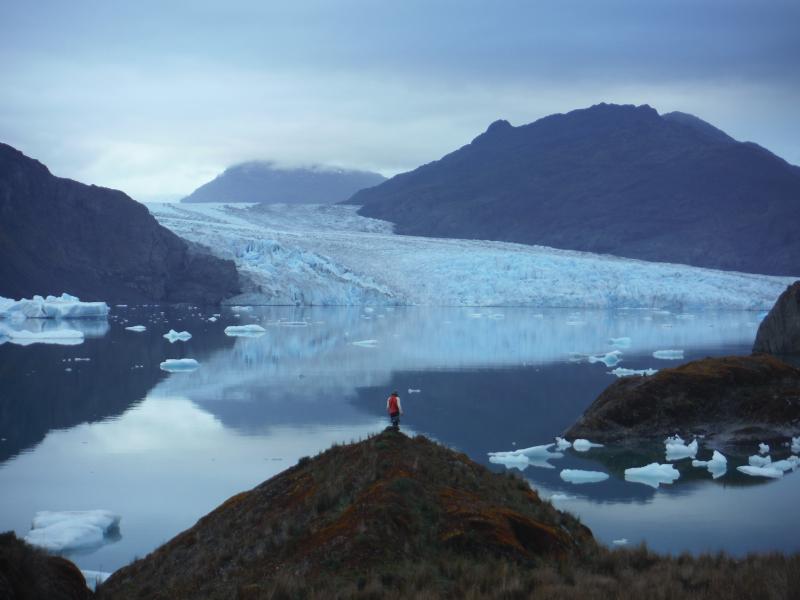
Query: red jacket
[{"x": 393, "y": 405}]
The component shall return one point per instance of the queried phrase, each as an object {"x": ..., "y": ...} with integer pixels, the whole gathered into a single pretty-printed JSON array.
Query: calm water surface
[{"x": 115, "y": 432}]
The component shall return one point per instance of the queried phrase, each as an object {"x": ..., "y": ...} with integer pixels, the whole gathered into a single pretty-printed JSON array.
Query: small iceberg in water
[
  {"x": 668, "y": 354},
  {"x": 769, "y": 472},
  {"x": 623, "y": 372},
  {"x": 609, "y": 359},
  {"x": 177, "y": 336},
  {"x": 51, "y": 307},
  {"x": 653, "y": 474},
  {"x": 578, "y": 476},
  {"x": 71, "y": 530},
  {"x": 245, "y": 330},
  {"x": 175, "y": 365},
  {"x": 582, "y": 445},
  {"x": 717, "y": 465},
  {"x": 136, "y": 328},
  {"x": 677, "y": 450}
]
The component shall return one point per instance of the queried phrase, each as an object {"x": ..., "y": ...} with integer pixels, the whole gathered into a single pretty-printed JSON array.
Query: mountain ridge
[{"x": 610, "y": 179}]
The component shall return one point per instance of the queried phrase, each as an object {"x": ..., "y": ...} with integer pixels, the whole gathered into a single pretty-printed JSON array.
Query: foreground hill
[
  {"x": 779, "y": 332},
  {"x": 59, "y": 235},
  {"x": 610, "y": 179},
  {"x": 268, "y": 183},
  {"x": 393, "y": 517}
]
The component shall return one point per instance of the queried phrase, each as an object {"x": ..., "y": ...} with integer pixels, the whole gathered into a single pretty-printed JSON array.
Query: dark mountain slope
[
  {"x": 59, "y": 235},
  {"x": 266, "y": 182},
  {"x": 610, "y": 179}
]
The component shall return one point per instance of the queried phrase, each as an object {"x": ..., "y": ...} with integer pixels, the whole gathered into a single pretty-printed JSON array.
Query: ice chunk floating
[
  {"x": 72, "y": 530},
  {"x": 177, "y": 336},
  {"x": 136, "y": 328},
  {"x": 609, "y": 359},
  {"x": 51, "y": 307},
  {"x": 623, "y": 372},
  {"x": 578, "y": 476},
  {"x": 717, "y": 466},
  {"x": 176, "y": 365},
  {"x": 582, "y": 445},
  {"x": 678, "y": 450},
  {"x": 245, "y": 330},
  {"x": 653, "y": 474},
  {"x": 668, "y": 354},
  {"x": 761, "y": 471}
]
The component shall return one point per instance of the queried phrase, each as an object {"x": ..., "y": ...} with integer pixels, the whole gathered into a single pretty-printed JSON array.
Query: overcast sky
[{"x": 156, "y": 97}]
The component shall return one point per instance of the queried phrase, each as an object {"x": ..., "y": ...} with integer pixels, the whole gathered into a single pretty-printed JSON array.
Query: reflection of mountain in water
[{"x": 39, "y": 394}]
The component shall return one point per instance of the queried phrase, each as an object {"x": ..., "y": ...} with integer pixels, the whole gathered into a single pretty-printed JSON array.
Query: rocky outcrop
[
  {"x": 366, "y": 507},
  {"x": 779, "y": 332},
  {"x": 266, "y": 182},
  {"x": 608, "y": 179},
  {"x": 58, "y": 235},
  {"x": 27, "y": 573},
  {"x": 734, "y": 399}
]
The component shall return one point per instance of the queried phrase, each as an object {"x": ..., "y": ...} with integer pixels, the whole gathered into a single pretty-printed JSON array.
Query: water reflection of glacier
[{"x": 323, "y": 360}]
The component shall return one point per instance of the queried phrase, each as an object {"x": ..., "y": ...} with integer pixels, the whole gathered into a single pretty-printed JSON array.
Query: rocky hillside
[
  {"x": 365, "y": 507},
  {"x": 779, "y": 332},
  {"x": 58, "y": 235},
  {"x": 266, "y": 182},
  {"x": 609, "y": 179},
  {"x": 733, "y": 399}
]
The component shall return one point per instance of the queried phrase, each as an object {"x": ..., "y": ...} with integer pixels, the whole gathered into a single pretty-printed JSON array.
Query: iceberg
[
  {"x": 796, "y": 445},
  {"x": 759, "y": 461},
  {"x": 136, "y": 328},
  {"x": 763, "y": 448},
  {"x": 174, "y": 336},
  {"x": 71, "y": 530},
  {"x": 212, "y": 319},
  {"x": 622, "y": 372},
  {"x": 674, "y": 439},
  {"x": 787, "y": 464},
  {"x": 717, "y": 466},
  {"x": 510, "y": 460},
  {"x": 245, "y": 330},
  {"x": 668, "y": 354},
  {"x": 23, "y": 337},
  {"x": 578, "y": 476},
  {"x": 51, "y": 307},
  {"x": 653, "y": 474},
  {"x": 679, "y": 450},
  {"x": 620, "y": 342},
  {"x": 761, "y": 471},
  {"x": 175, "y": 365},
  {"x": 620, "y": 542},
  {"x": 582, "y": 445},
  {"x": 535, "y": 456},
  {"x": 94, "y": 578},
  {"x": 609, "y": 359},
  {"x": 561, "y": 497},
  {"x": 562, "y": 444}
]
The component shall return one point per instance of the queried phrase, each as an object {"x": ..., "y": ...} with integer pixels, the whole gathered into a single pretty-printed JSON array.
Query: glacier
[{"x": 329, "y": 255}]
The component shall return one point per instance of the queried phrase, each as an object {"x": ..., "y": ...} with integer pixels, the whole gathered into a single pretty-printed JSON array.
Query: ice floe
[
  {"x": 534, "y": 456},
  {"x": 251, "y": 330},
  {"x": 212, "y": 319},
  {"x": 717, "y": 465},
  {"x": 177, "y": 336},
  {"x": 579, "y": 476},
  {"x": 179, "y": 364},
  {"x": 653, "y": 474},
  {"x": 796, "y": 445},
  {"x": 94, "y": 578},
  {"x": 562, "y": 444},
  {"x": 623, "y": 372},
  {"x": 366, "y": 343},
  {"x": 23, "y": 337},
  {"x": 668, "y": 354},
  {"x": 759, "y": 461},
  {"x": 763, "y": 448},
  {"x": 582, "y": 445},
  {"x": 609, "y": 359},
  {"x": 136, "y": 328},
  {"x": 620, "y": 542},
  {"x": 71, "y": 530},
  {"x": 787, "y": 464},
  {"x": 51, "y": 307},
  {"x": 561, "y": 497},
  {"x": 676, "y": 450},
  {"x": 761, "y": 471}
]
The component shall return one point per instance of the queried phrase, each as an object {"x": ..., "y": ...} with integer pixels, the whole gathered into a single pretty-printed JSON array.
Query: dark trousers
[{"x": 395, "y": 418}]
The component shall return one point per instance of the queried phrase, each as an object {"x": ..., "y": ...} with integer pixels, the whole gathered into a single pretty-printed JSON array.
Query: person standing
[{"x": 395, "y": 409}]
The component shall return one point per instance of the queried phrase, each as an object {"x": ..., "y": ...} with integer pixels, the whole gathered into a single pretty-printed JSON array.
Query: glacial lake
[{"x": 113, "y": 431}]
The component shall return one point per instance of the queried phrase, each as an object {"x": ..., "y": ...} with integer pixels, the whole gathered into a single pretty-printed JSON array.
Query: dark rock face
[
  {"x": 779, "y": 332},
  {"x": 610, "y": 179},
  {"x": 370, "y": 506},
  {"x": 29, "y": 574},
  {"x": 267, "y": 183},
  {"x": 733, "y": 398},
  {"x": 59, "y": 235}
]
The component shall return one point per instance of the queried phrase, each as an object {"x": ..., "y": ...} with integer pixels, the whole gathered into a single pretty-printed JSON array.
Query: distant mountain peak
[{"x": 268, "y": 181}]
